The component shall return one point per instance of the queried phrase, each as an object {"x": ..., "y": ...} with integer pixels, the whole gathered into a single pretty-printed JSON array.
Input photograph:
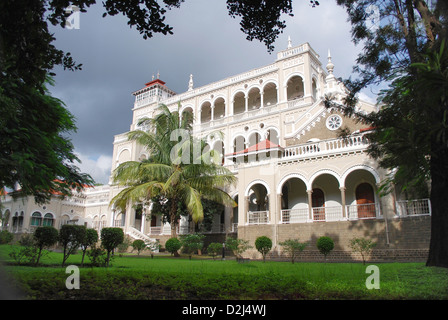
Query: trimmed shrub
[
  {"x": 325, "y": 245},
  {"x": 71, "y": 237},
  {"x": 44, "y": 237},
  {"x": 192, "y": 243},
  {"x": 214, "y": 249},
  {"x": 90, "y": 240},
  {"x": 263, "y": 245},
  {"x": 139, "y": 245},
  {"x": 110, "y": 239},
  {"x": 172, "y": 245}
]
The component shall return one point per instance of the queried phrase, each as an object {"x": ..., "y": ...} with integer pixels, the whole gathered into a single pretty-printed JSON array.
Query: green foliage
[
  {"x": 363, "y": 246},
  {"x": 5, "y": 237},
  {"x": 172, "y": 245},
  {"x": 44, "y": 237},
  {"x": 110, "y": 239},
  {"x": 214, "y": 249},
  {"x": 325, "y": 245},
  {"x": 293, "y": 247},
  {"x": 139, "y": 245},
  {"x": 192, "y": 243},
  {"x": 71, "y": 237},
  {"x": 263, "y": 244},
  {"x": 123, "y": 247},
  {"x": 238, "y": 246},
  {"x": 97, "y": 257},
  {"x": 90, "y": 240}
]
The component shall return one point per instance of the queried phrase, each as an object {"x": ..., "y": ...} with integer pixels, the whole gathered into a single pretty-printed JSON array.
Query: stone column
[
  {"x": 246, "y": 210},
  {"x": 279, "y": 206},
  {"x": 310, "y": 203},
  {"x": 343, "y": 201}
]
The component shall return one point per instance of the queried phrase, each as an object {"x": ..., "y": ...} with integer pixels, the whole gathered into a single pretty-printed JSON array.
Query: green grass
[{"x": 165, "y": 277}]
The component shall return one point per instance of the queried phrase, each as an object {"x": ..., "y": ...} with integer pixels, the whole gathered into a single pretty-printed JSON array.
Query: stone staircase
[{"x": 138, "y": 235}]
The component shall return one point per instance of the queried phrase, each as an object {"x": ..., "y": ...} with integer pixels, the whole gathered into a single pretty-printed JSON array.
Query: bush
[
  {"x": 44, "y": 237},
  {"x": 138, "y": 245},
  {"x": 71, "y": 236},
  {"x": 263, "y": 245},
  {"x": 89, "y": 240},
  {"x": 325, "y": 245},
  {"x": 172, "y": 245},
  {"x": 192, "y": 243},
  {"x": 110, "y": 239},
  {"x": 363, "y": 246},
  {"x": 238, "y": 246},
  {"x": 97, "y": 257},
  {"x": 214, "y": 249},
  {"x": 293, "y": 247},
  {"x": 5, "y": 237}
]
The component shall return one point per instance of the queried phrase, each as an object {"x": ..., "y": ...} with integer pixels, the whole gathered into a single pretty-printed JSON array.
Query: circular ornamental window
[{"x": 334, "y": 122}]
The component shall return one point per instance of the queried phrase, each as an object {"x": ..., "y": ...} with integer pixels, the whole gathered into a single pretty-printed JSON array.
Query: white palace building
[{"x": 297, "y": 178}]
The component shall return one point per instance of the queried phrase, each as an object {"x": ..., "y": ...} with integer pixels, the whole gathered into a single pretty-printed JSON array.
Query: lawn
[{"x": 165, "y": 277}]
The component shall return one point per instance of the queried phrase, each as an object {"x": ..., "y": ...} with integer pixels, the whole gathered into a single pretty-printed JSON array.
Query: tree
[
  {"x": 71, "y": 237},
  {"x": 293, "y": 247},
  {"x": 110, "y": 239},
  {"x": 180, "y": 173},
  {"x": 214, "y": 249},
  {"x": 90, "y": 239},
  {"x": 139, "y": 245},
  {"x": 44, "y": 237},
  {"x": 192, "y": 243},
  {"x": 238, "y": 246},
  {"x": 405, "y": 48},
  {"x": 173, "y": 245},
  {"x": 363, "y": 246},
  {"x": 263, "y": 244},
  {"x": 325, "y": 245}
]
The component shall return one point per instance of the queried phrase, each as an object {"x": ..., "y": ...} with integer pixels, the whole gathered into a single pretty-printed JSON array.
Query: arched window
[
  {"x": 295, "y": 88},
  {"x": 36, "y": 219},
  {"x": 365, "y": 200},
  {"x": 318, "y": 203},
  {"x": 48, "y": 220}
]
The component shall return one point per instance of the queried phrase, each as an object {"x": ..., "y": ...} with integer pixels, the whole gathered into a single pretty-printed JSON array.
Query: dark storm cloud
[{"x": 207, "y": 43}]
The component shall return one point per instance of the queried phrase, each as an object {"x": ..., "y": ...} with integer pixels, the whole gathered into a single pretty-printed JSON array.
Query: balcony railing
[
  {"x": 258, "y": 217},
  {"x": 357, "y": 142},
  {"x": 363, "y": 211},
  {"x": 406, "y": 208}
]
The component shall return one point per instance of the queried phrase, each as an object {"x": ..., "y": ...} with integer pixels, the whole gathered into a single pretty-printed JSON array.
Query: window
[
  {"x": 36, "y": 219},
  {"x": 48, "y": 220},
  {"x": 334, "y": 122}
]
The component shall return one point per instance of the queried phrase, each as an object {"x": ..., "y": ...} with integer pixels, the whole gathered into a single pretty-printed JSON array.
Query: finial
[
  {"x": 289, "y": 42},
  {"x": 152, "y": 77},
  {"x": 190, "y": 83},
  {"x": 330, "y": 65},
  {"x": 158, "y": 74}
]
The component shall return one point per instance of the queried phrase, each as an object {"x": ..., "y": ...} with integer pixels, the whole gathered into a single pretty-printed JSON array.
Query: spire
[
  {"x": 289, "y": 42},
  {"x": 190, "y": 83}
]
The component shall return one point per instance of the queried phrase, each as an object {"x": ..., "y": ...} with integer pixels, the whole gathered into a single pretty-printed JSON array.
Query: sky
[{"x": 207, "y": 43}]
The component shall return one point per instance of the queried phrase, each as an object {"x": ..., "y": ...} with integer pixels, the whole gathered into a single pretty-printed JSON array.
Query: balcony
[{"x": 405, "y": 208}]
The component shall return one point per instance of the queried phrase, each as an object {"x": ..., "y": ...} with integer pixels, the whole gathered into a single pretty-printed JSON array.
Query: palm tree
[{"x": 174, "y": 171}]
